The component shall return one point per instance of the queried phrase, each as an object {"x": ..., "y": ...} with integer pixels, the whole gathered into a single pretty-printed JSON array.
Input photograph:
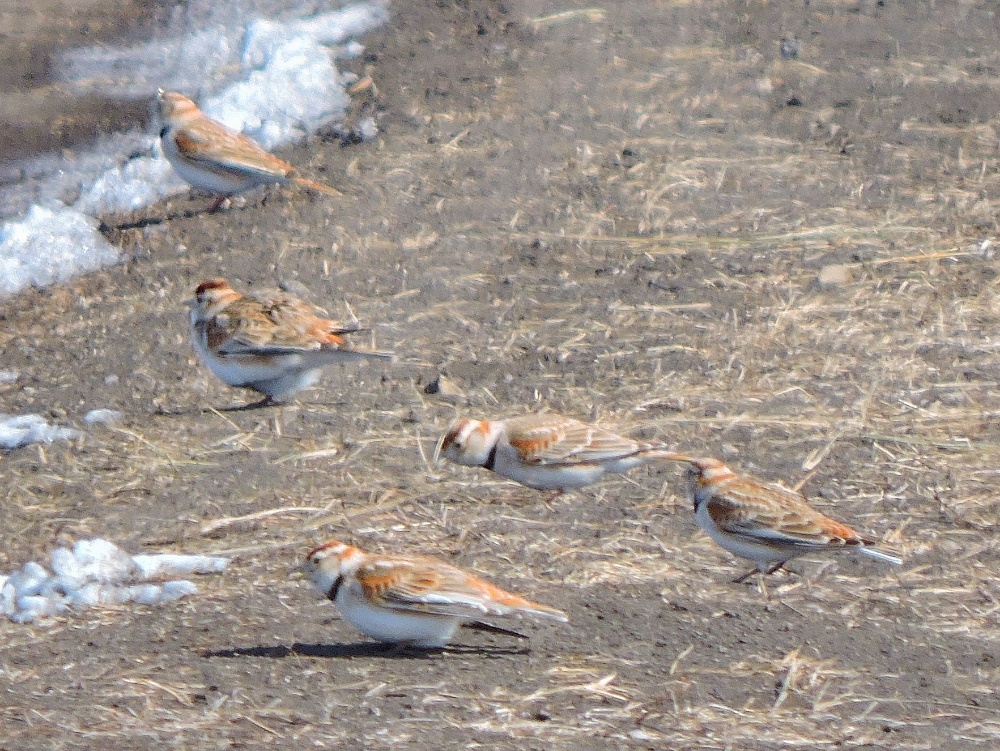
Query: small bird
[
  {"x": 766, "y": 523},
  {"x": 545, "y": 452},
  {"x": 215, "y": 158},
  {"x": 410, "y": 600},
  {"x": 273, "y": 342}
]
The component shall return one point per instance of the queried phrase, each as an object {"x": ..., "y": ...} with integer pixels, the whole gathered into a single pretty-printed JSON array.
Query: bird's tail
[
  {"x": 657, "y": 453},
  {"x": 515, "y": 603},
  {"x": 489, "y": 628},
  {"x": 319, "y": 187},
  {"x": 502, "y": 602},
  {"x": 882, "y": 553},
  {"x": 543, "y": 611}
]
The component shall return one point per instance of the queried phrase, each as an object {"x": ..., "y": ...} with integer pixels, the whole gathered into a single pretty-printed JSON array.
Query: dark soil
[{"x": 662, "y": 218}]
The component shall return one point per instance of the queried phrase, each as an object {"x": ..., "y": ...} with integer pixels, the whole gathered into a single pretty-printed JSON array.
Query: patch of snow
[
  {"x": 50, "y": 245},
  {"x": 278, "y": 84},
  {"x": 102, "y": 417},
  {"x": 182, "y": 62},
  {"x": 141, "y": 181},
  {"x": 164, "y": 565},
  {"x": 304, "y": 91},
  {"x": 20, "y": 430},
  {"x": 97, "y": 572},
  {"x": 263, "y": 36}
]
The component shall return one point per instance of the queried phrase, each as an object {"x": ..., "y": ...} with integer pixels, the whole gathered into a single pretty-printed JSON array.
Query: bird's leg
[
  {"x": 776, "y": 567},
  {"x": 747, "y": 575},
  {"x": 219, "y": 200},
  {"x": 267, "y": 401},
  {"x": 553, "y": 495}
]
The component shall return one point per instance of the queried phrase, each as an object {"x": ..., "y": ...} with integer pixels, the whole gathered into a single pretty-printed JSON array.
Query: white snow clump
[
  {"x": 20, "y": 430},
  {"x": 97, "y": 572}
]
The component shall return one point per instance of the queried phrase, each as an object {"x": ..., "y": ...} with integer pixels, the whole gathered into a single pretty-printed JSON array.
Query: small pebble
[
  {"x": 352, "y": 50},
  {"x": 835, "y": 275},
  {"x": 102, "y": 417},
  {"x": 790, "y": 48},
  {"x": 445, "y": 389},
  {"x": 367, "y": 129},
  {"x": 294, "y": 287}
]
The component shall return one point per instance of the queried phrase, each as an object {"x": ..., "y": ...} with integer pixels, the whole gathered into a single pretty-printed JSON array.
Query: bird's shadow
[
  {"x": 190, "y": 411},
  {"x": 261, "y": 404},
  {"x": 161, "y": 411},
  {"x": 360, "y": 649},
  {"x": 150, "y": 221}
]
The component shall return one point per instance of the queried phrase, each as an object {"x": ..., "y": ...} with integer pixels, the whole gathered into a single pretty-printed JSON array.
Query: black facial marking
[
  {"x": 693, "y": 475},
  {"x": 491, "y": 460},
  {"x": 338, "y": 582},
  {"x": 163, "y": 131}
]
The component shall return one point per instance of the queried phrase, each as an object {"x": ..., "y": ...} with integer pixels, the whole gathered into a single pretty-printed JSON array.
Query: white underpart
[
  {"x": 764, "y": 556},
  {"x": 558, "y": 476},
  {"x": 278, "y": 377},
  {"x": 226, "y": 184},
  {"x": 394, "y": 626},
  {"x": 290, "y": 383}
]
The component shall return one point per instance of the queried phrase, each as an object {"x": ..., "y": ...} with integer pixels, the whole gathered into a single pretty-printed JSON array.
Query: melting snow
[
  {"x": 50, "y": 245},
  {"x": 102, "y": 417},
  {"x": 20, "y": 430},
  {"x": 97, "y": 572},
  {"x": 287, "y": 87}
]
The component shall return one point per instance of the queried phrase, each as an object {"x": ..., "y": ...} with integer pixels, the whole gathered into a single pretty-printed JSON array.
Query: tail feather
[
  {"x": 489, "y": 628},
  {"x": 663, "y": 454},
  {"x": 667, "y": 455},
  {"x": 542, "y": 611},
  {"x": 881, "y": 554},
  {"x": 319, "y": 187},
  {"x": 552, "y": 613},
  {"x": 501, "y": 602}
]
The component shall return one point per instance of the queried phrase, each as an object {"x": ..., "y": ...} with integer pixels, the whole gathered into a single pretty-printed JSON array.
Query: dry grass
[{"x": 678, "y": 297}]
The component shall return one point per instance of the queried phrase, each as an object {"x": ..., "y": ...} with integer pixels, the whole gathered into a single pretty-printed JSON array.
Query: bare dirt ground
[
  {"x": 37, "y": 114},
  {"x": 647, "y": 216}
]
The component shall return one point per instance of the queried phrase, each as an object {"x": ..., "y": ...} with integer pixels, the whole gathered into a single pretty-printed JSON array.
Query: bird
[
  {"x": 215, "y": 158},
  {"x": 271, "y": 342},
  {"x": 764, "y": 522},
  {"x": 544, "y": 451},
  {"x": 410, "y": 600}
]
